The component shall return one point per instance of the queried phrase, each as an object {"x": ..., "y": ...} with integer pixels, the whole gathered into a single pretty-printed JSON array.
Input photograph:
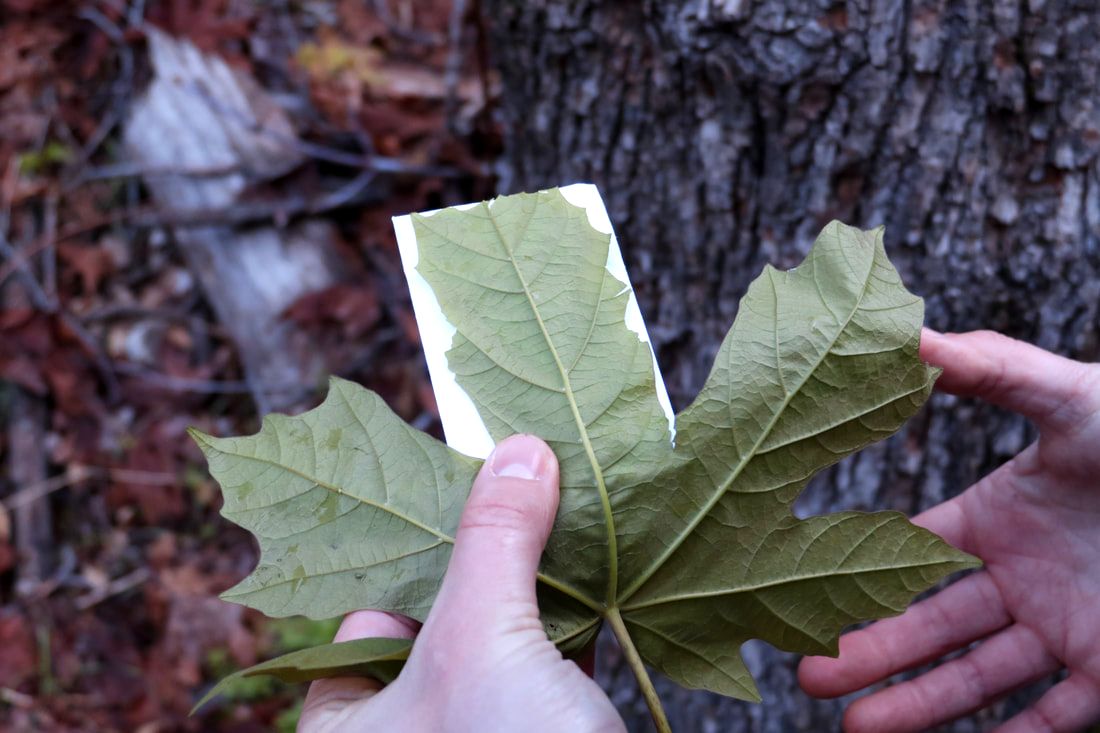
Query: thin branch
[
  {"x": 278, "y": 211},
  {"x": 137, "y": 170},
  {"x": 316, "y": 151},
  {"x": 16, "y": 261},
  {"x": 15, "y": 698},
  {"x": 173, "y": 383},
  {"x": 79, "y": 473},
  {"x": 351, "y": 191},
  {"x": 49, "y": 252},
  {"x": 453, "y": 69},
  {"x": 116, "y": 587},
  {"x": 95, "y": 351}
]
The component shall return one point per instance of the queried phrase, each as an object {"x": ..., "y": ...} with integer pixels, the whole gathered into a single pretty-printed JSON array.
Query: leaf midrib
[
  {"x": 340, "y": 571},
  {"x": 549, "y": 580},
  {"x": 337, "y": 490},
  {"x": 680, "y": 597},
  {"x": 722, "y": 488},
  {"x": 582, "y": 428}
]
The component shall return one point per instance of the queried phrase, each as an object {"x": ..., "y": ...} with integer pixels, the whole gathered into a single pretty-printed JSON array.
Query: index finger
[
  {"x": 1052, "y": 391},
  {"x": 329, "y": 695}
]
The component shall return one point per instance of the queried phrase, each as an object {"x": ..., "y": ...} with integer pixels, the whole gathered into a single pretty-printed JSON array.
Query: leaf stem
[
  {"x": 570, "y": 591},
  {"x": 615, "y": 619}
]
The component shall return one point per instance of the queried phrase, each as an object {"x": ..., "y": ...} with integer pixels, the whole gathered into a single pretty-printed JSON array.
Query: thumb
[{"x": 489, "y": 587}]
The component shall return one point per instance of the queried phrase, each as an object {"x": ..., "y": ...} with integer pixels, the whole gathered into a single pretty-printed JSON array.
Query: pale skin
[
  {"x": 1035, "y": 522},
  {"x": 482, "y": 661}
]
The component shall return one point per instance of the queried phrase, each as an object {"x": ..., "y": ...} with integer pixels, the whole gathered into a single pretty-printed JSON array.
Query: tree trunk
[{"x": 725, "y": 133}]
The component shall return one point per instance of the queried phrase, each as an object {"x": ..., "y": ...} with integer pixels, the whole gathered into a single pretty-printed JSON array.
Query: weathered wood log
[
  {"x": 198, "y": 114},
  {"x": 725, "y": 133}
]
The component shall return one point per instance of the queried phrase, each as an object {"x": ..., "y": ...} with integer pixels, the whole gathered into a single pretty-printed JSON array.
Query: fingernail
[{"x": 520, "y": 456}]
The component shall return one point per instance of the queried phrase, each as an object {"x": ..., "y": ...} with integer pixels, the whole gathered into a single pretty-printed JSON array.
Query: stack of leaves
[{"x": 687, "y": 548}]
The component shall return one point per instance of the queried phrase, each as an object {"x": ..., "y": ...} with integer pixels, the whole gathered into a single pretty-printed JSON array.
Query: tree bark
[{"x": 725, "y": 133}]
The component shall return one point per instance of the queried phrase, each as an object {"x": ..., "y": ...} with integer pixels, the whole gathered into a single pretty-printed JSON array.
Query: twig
[
  {"x": 346, "y": 194},
  {"x": 95, "y": 351},
  {"x": 135, "y": 14},
  {"x": 115, "y": 587},
  {"x": 17, "y": 263},
  {"x": 453, "y": 69},
  {"x": 326, "y": 153},
  {"x": 121, "y": 87},
  {"x": 202, "y": 386},
  {"x": 78, "y": 473},
  {"x": 113, "y": 311},
  {"x": 103, "y": 23},
  {"x": 49, "y": 252},
  {"x": 22, "y": 255},
  {"x": 15, "y": 698},
  {"x": 26, "y": 429},
  {"x": 136, "y": 170},
  {"x": 379, "y": 163},
  {"x": 34, "y": 492},
  {"x": 41, "y": 300},
  {"x": 7, "y": 193},
  {"x": 279, "y": 211}
]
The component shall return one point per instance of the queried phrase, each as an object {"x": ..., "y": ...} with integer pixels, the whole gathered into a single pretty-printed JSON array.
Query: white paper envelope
[{"x": 462, "y": 425}]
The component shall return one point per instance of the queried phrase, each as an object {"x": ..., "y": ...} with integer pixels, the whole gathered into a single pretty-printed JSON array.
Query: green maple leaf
[{"x": 688, "y": 549}]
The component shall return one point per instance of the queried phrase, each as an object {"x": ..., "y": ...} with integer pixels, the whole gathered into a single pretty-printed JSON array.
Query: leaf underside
[
  {"x": 694, "y": 544},
  {"x": 380, "y": 658}
]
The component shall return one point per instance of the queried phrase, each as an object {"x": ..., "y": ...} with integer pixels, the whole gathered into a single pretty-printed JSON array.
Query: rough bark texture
[{"x": 725, "y": 134}]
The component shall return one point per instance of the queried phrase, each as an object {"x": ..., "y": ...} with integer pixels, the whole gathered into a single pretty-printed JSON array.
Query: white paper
[{"x": 462, "y": 425}]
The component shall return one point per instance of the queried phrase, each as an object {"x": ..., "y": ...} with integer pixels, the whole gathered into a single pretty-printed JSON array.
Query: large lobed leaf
[{"x": 693, "y": 546}]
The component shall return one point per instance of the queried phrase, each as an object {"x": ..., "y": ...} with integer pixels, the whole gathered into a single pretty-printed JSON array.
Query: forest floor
[{"x": 112, "y": 551}]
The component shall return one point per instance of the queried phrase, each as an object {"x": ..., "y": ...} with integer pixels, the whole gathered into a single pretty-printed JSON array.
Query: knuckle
[
  {"x": 495, "y": 515},
  {"x": 1038, "y": 720},
  {"x": 973, "y": 680},
  {"x": 1088, "y": 387}
]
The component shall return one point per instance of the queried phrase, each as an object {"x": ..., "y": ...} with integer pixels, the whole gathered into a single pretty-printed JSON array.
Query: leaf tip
[
  {"x": 203, "y": 440},
  {"x": 334, "y": 381},
  {"x": 211, "y": 694},
  {"x": 969, "y": 562}
]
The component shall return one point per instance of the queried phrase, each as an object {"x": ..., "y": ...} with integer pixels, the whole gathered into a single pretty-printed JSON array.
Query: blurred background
[{"x": 194, "y": 230}]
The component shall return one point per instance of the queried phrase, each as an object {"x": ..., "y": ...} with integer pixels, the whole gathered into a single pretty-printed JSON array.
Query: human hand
[
  {"x": 482, "y": 661},
  {"x": 1035, "y": 522}
]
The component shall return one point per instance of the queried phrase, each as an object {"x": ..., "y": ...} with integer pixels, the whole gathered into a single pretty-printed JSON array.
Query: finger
[
  {"x": 1011, "y": 658},
  {"x": 489, "y": 588},
  {"x": 948, "y": 520},
  {"x": 330, "y": 697},
  {"x": 970, "y": 609},
  {"x": 1050, "y": 390},
  {"x": 1069, "y": 706},
  {"x": 369, "y": 624}
]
